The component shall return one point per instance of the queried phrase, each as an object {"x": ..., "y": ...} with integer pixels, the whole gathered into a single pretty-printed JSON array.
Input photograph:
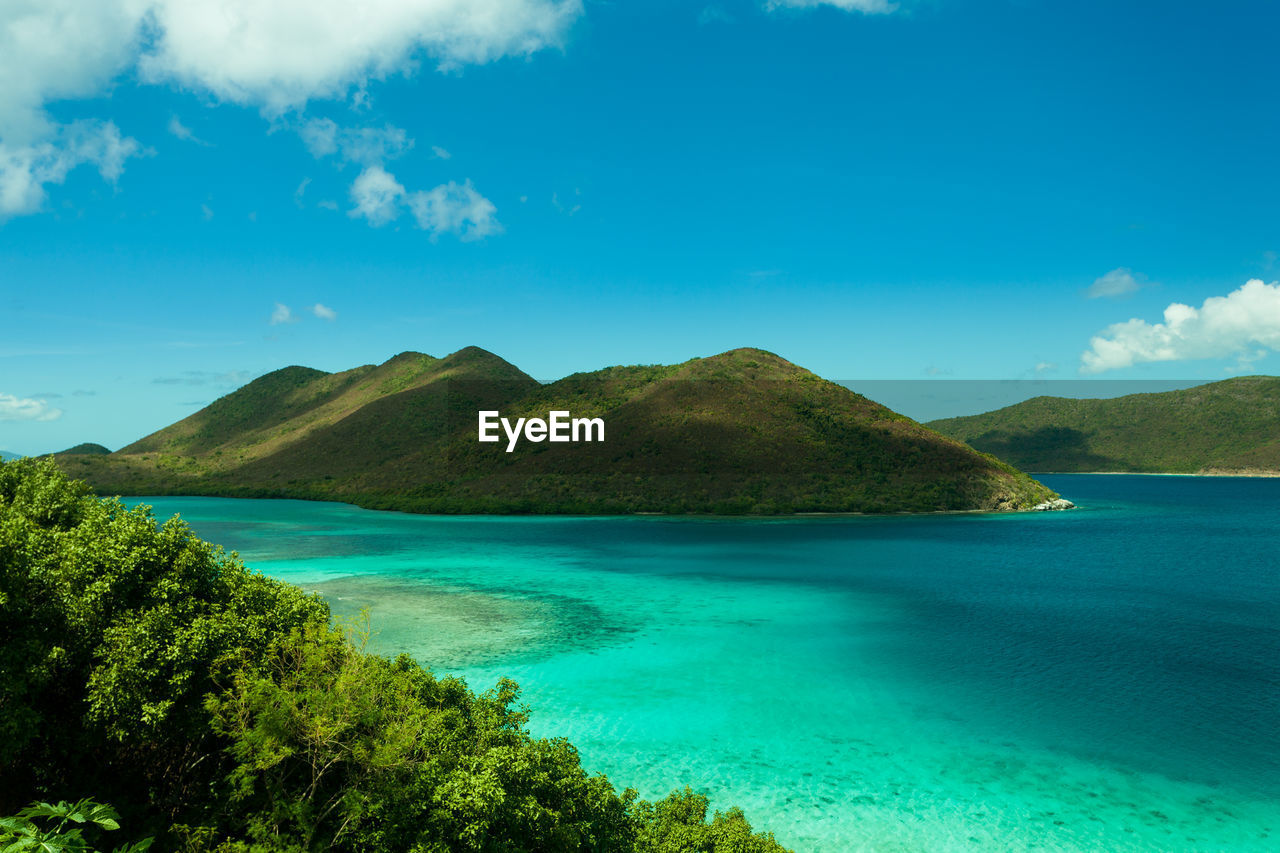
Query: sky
[{"x": 196, "y": 192}]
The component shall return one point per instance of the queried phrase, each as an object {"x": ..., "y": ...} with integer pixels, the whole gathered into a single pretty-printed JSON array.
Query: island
[{"x": 742, "y": 432}]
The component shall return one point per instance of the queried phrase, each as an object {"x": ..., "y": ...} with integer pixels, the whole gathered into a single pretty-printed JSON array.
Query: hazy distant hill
[
  {"x": 1222, "y": 427},
  {"x": 4, "y": 454},
  {"x": 745, "y": 431}
]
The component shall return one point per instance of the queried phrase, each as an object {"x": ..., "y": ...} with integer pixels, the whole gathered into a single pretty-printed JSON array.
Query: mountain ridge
[
  {"x": 1231, "y": 426},
  {"x": 745, "y": 431}
]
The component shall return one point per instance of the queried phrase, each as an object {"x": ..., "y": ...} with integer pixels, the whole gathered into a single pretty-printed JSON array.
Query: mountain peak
[
  {"x": 474, "y": 354},
  {"x": 408, "y": 357}
]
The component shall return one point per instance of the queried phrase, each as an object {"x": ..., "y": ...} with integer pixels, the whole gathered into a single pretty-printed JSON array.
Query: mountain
[
  {"x": 741, "y": 432},
  {"x": 6, "y": 455},
  {"x": 89, "y": 448},
  {"x": 1224, "y": 427}
]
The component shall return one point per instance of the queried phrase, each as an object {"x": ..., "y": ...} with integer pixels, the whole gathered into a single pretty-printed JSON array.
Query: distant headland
[{"x": 1228, "y": 428}]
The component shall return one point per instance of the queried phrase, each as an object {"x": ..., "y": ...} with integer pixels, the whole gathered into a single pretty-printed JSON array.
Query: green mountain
[
  {"x": 1224, "y": 427},
  {"x": 6, "y": 455},
  {"x": 89, "y": 448},
  {"x": 741, "y": 432}
]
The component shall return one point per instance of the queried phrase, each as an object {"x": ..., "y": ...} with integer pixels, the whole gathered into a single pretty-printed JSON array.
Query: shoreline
[
  {"x": 135, "y": 500},
  {"x": 1244, "y": 473}
]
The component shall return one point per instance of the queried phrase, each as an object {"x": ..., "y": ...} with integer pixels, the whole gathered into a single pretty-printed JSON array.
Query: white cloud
[
  {"x": 1119, "y": 282},
  {"x": 55, "y": 49},
  {"x": 1245, "y": 324},
  {"x": 367, "y": 146},
  {"x": 280, "y": 54},
  {"x": 282, "y": 315},
  {"x": 324, "y": 312},
  {"x": 25, "y": 170},
  {"x": 440, "y": 152},
  {"x": 456, "y": 209},
  {"x": 25, "y": 409},
  {"x": 181, "y": 131},
  {"x": 450, "y": 208},
  {"x": 870, "y": 7},
  {"x": 49, "y": 50},
  {"x": 275, "y": 55},
  {"x": 377, "y": 196},
  {"x": 1045, "y": 367},
  {"x": 206, "y": 211}
]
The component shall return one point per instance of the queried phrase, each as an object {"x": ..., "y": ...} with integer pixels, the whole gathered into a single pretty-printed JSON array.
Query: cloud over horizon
[
  {"x": 283, "y": 315},
  {"x": 26, "y": 409},
  {"x": 1244, "y": 324}
]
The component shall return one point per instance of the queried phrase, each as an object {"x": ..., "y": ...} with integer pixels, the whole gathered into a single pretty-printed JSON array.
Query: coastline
[
  {"x": 135, "y": 500},
  {"x": 1261, "y": 473}
]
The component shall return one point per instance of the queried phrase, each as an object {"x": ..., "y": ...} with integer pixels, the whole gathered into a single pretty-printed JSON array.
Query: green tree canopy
[{"x": 220, "y": 709}]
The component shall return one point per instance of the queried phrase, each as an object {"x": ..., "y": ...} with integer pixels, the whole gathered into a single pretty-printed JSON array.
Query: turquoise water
[{"x": 1102, "y": 679}]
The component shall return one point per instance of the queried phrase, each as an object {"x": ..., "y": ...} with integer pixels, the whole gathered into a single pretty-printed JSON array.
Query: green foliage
[
  {"x": 219, "y": 709},
  {"x": 109, "y": 631},
  {"x": 741, "y": 432},
  {"x": 679, "y": 823},
  {"x": 88, "y": 448},
  {"x": 62, "y": 828},
  {"x": 1222, "y": 426},
  {"x": 337, "y": 748}
]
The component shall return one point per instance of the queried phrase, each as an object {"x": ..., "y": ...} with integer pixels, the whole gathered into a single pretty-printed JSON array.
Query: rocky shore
[{"x": 1056, "y": 503}]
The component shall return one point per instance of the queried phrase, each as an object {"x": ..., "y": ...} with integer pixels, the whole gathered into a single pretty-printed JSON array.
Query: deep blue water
[{"x": 1104, "y": 678}]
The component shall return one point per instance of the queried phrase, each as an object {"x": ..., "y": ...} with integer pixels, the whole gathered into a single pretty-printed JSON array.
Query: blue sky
[{"x": 977, "y": 190}]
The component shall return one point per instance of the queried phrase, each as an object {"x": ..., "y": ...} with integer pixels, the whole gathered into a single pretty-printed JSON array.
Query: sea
[{"x": 1105, "y": 678}]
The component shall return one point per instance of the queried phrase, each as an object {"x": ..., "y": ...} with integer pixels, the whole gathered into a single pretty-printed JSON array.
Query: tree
[{"x": 220, "y": 710}]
